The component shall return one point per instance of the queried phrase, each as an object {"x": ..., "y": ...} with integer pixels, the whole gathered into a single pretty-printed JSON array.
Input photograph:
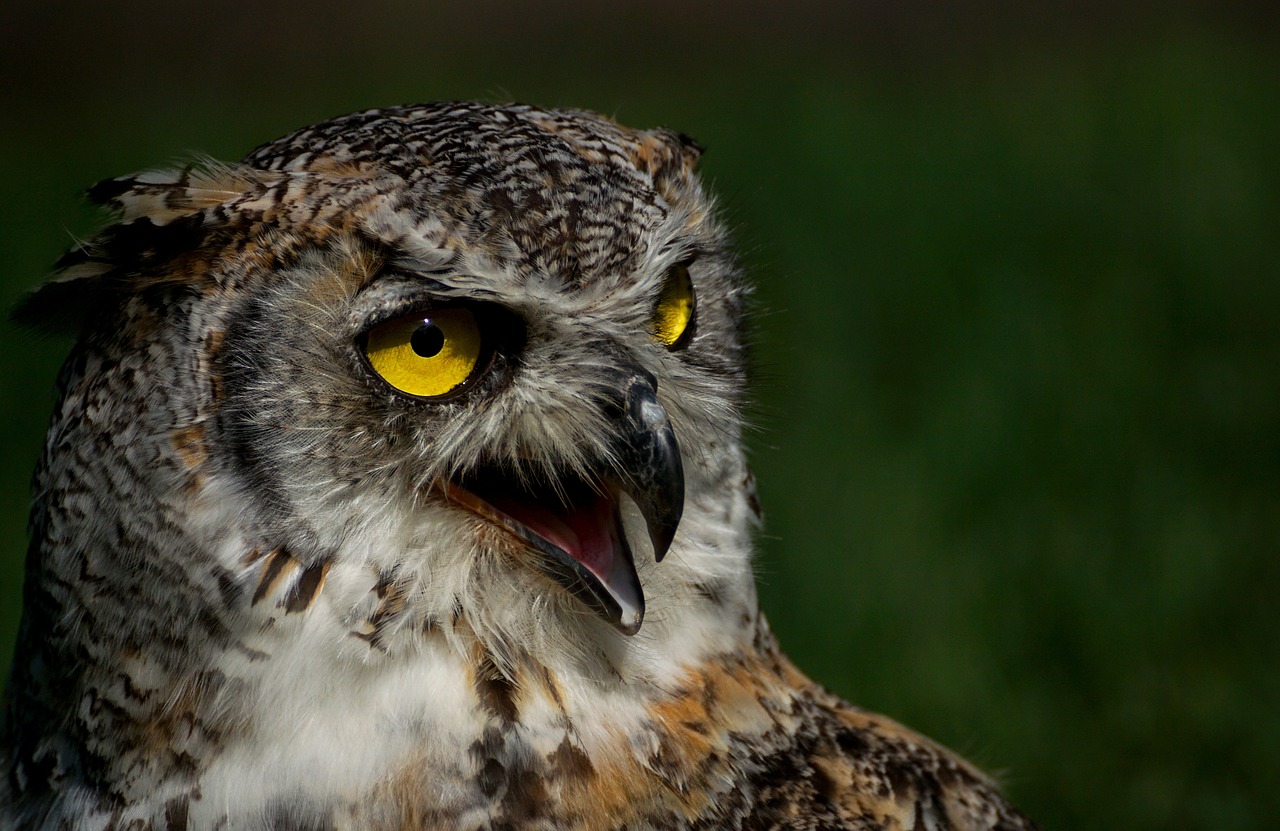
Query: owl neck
[{"x": 457, "y": 717}]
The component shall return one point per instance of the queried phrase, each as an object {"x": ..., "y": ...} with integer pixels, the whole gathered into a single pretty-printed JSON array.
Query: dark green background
[{"x": 1017, "y": 341}]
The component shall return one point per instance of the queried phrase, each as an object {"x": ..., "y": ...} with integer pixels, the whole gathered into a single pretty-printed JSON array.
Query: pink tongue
[{"x": 585, "y": 532}]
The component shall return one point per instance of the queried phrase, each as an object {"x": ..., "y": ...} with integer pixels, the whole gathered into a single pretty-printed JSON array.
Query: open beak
[{"x": 574, "y": 525}]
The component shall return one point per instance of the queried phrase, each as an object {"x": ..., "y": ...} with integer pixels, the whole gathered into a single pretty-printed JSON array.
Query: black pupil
[{"x": 427, "y": 340}]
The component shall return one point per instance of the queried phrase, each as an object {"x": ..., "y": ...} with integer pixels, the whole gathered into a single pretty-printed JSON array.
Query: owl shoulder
[{"x": 844, "y": 767}]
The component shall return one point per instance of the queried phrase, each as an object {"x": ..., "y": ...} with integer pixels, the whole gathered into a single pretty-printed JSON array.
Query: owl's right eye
[
  {"x": 427, "y": 354},
  {"x": 673, "y": 314}
]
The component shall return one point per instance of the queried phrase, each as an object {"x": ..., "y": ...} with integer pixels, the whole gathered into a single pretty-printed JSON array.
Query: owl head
[{"x": 484, "y": 360}]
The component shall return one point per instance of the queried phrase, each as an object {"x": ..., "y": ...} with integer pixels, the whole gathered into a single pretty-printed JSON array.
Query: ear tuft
[
  {"x": 666, "y": 154},
  {"x": 692, "y": 149},
  {"x": 165, "y": 195},
  {"x": 160, "y": 213},
  {"x": 62, "y": 303}
]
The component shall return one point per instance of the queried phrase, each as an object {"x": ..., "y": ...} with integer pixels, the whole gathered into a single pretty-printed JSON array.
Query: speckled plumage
[{"x": 250, "y": 601}]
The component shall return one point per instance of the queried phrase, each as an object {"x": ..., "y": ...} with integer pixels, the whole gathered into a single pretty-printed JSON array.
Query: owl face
[{"x": 508, "y": 359}]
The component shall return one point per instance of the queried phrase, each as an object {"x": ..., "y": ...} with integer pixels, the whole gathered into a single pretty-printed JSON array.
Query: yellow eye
[
  {"x": 427, "y": 354},
  {"x": 673, "y": 313}
]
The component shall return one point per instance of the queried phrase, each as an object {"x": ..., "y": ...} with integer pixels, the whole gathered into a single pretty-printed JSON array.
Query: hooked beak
[{"x": 574, "y": 525}]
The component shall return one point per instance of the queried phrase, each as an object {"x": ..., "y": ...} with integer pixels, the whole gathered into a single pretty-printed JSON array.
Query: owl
[{"x": 396, "y": 481}]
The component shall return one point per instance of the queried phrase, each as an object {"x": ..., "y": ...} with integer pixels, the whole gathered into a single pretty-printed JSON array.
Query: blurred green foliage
[{"x": 1017, "y": 353}]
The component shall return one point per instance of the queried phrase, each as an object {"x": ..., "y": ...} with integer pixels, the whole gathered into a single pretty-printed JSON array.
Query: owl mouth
[
  {"x": 574, "y": 522},
  {"x": 575, "y": 526}
]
